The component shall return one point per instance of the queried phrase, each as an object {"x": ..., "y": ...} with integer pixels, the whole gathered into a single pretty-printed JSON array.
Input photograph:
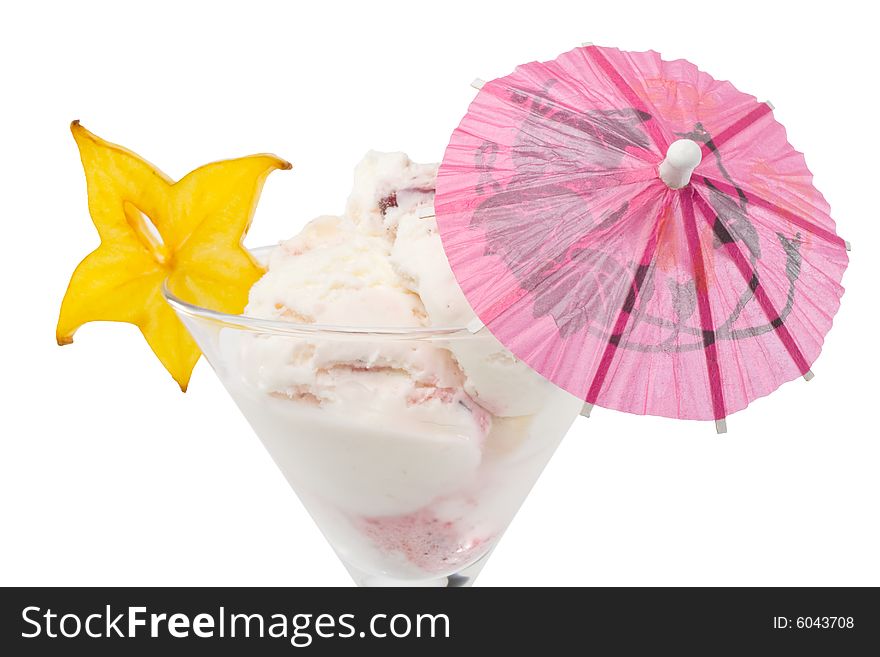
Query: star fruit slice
[{"x": 153, "y": 229}]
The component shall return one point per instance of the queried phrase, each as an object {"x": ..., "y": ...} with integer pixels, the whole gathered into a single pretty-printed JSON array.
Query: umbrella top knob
[{"x": 682, "y": 158}]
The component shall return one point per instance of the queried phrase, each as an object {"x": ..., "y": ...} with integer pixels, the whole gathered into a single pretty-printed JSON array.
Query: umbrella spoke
[
  {"x": 626, "y": 311},
  {"x": 761, "y": 202},
  {"x": 699, "y": 271},
  {"x": 629, "y": 93},
  {"x": 751, "y": 276},
  {"x": 735, "y": 128}
]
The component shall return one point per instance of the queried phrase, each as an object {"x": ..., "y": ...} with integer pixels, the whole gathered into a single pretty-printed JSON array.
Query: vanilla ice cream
[{"x": 412, "y": 453}]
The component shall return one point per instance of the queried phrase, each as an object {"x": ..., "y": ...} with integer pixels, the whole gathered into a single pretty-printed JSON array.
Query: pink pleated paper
[{"x": 683, "y": 303}]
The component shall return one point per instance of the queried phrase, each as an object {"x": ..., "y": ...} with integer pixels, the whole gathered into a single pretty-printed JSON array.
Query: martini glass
[{"x": 405, "y": 497}]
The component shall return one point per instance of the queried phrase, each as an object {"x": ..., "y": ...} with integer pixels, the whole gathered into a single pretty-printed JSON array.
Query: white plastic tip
[
  {"x": 809, "y": 375},
  {"x": 770, "y": 105},
  {"x": 475, "y": 325},
  {"x": 721, "y": 425},
  {"x": 682, "y": 158},
  {"x": 478, "y": 83},
  {"x": 586, "y": 44},
  {"x": 847, "y": 244},
  {"x": 587, "y": 409}
]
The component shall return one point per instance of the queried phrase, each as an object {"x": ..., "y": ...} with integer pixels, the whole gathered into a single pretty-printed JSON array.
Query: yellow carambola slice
[{"x": 200, "y": 221}]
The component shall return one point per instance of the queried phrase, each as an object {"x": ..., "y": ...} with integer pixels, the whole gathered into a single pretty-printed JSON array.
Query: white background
[{"x": 109, "y": 475}]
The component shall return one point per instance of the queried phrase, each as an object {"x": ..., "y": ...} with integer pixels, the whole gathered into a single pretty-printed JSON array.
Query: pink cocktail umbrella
[{"x": 641, "y": 234}]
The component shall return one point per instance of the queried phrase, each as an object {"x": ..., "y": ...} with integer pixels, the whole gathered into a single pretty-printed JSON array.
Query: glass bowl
[{"x": 412, "y": 449}]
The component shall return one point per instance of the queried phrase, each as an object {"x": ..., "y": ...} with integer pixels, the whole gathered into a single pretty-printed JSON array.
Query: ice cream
[
  {"x": 412, "y": 453},
  {"x": 382, "y": 264}
]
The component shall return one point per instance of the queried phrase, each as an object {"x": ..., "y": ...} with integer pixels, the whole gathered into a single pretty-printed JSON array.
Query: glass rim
[{"x": 284, "y": 327}]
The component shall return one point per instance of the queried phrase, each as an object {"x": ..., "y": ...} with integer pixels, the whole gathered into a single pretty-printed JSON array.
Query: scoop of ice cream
[{"x": 333, "y": 274}]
